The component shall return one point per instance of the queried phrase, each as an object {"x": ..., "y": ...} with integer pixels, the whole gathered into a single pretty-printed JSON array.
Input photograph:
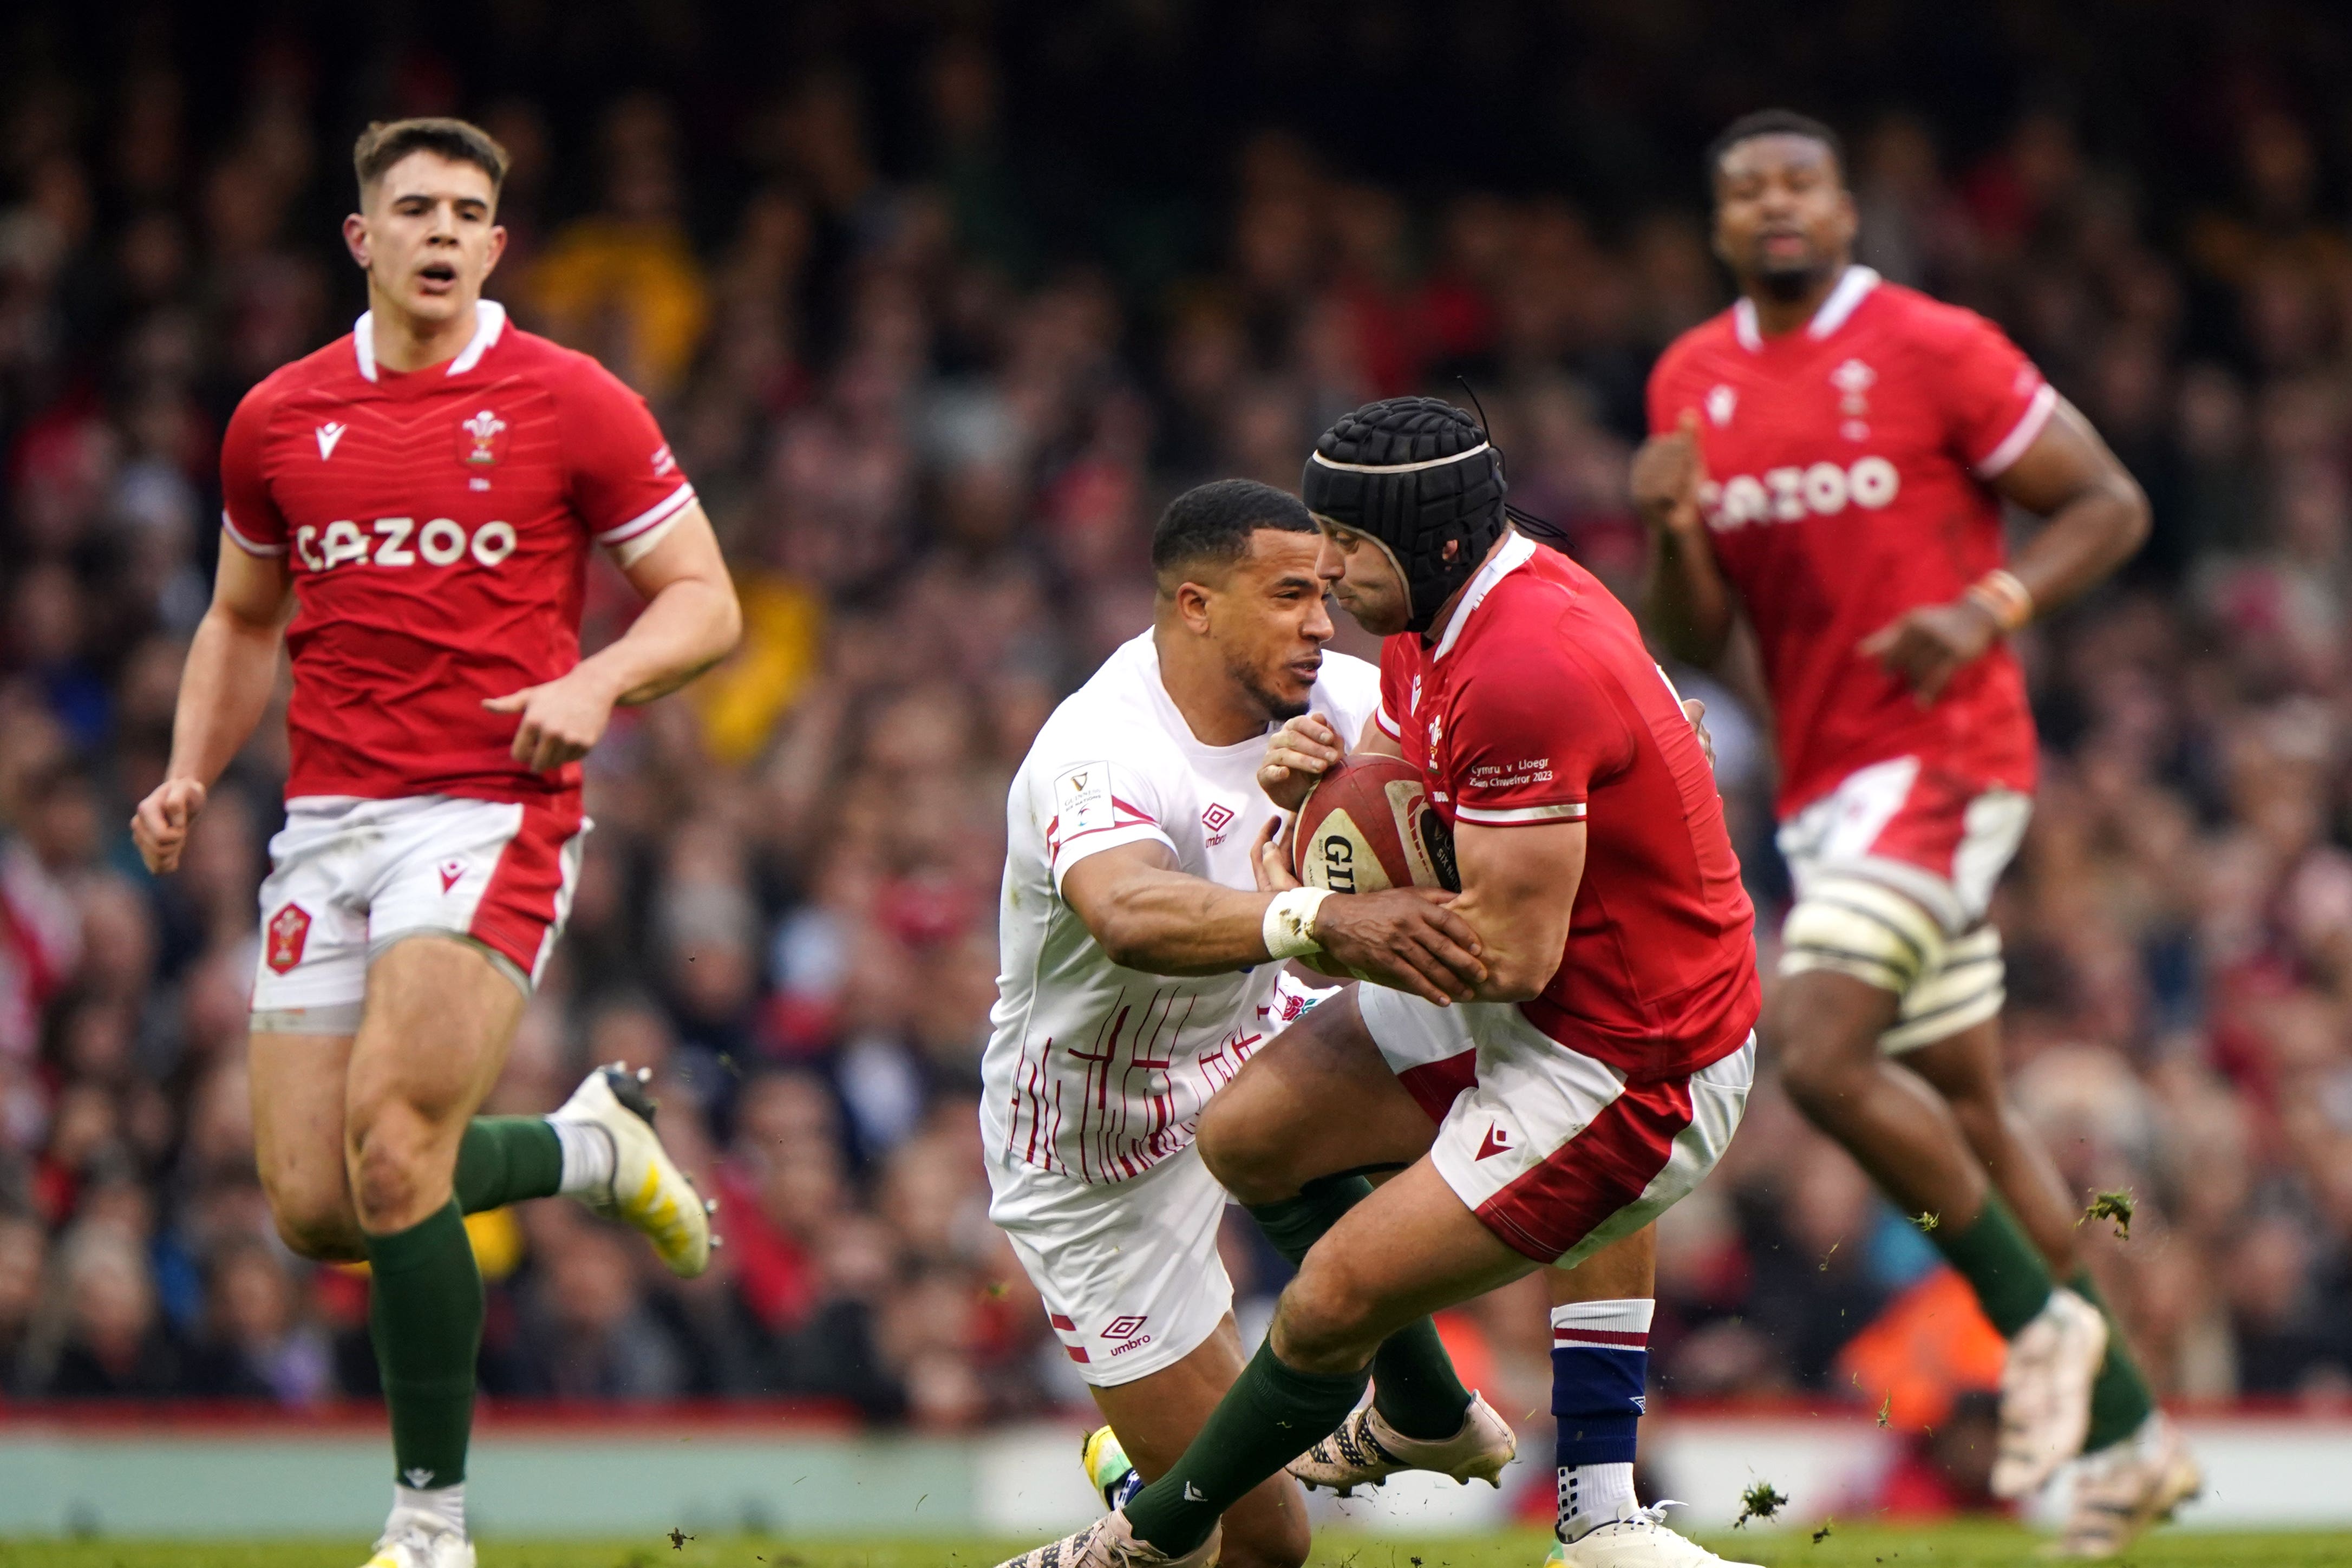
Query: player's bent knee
[
  {"x": 1324, "y": 1321},
  {"x": 1246, "y": 1152},
  {"x": 392, "y": 1173},
  {"x": 318, "y": 1226}
]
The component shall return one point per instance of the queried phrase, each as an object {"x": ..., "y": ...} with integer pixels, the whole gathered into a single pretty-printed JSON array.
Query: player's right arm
[
  {"x": 1147, "y": 915},
  {"x": 1685, "y": 602},
  {"x": 233, "y": 659},
  {"x": 232, "y": 666}
]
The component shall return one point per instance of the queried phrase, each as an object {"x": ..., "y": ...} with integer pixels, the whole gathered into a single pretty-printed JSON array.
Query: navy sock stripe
[{"x": 1597, "y": 1396}]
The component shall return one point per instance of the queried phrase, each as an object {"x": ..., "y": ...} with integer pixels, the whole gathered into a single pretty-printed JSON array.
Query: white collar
[
  {"x": 489, "y": 321},
  {"x": 1516, "y": 552},
  {"x": 1843, "y": 301}
]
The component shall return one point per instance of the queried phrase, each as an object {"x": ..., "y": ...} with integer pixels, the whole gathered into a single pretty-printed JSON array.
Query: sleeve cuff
[
  {"x": 245, "y": 542},
  {"x": 1381, "y": 714},
  {"x": 1094, "y": 840},
  {"x": 653, "y": 517},
  {"x": 2013, "y": 446},
  {"x": 1519, "y": 816}
]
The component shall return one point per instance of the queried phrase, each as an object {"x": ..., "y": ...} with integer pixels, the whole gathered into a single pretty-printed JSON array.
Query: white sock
[
  {"x": 587, "y": 1157},
  {"x": 1595, "y": 1495},
  {"x": 442, "y": 1506}
]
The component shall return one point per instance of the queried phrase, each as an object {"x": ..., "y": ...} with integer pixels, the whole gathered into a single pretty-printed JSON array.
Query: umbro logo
[
  {"x": 1125, "y": 1326},
  {"x": 329, "y": 434},
  {"x": 1497, "y": 1142}
]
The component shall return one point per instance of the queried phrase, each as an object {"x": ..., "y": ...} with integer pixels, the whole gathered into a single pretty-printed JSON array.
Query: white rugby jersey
[{"x": 1092, "y": 1070}]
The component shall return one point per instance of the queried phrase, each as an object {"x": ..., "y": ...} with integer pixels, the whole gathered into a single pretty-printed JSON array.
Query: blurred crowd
[{"x": 933, "y": 443}]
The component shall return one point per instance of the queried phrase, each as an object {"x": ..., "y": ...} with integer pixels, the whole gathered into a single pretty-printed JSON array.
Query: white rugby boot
[
  {"x": 2121, "y": 1490},
  {"x": 647, "y": 1190},
  {"x": 1639, "y": 1541},
  {"x": 1366, "y": 1450},
  {"x": 2045, "y": 1393},
  {"x": 1108, "y": 1543},
  {"x": 411, "y": 1542}
]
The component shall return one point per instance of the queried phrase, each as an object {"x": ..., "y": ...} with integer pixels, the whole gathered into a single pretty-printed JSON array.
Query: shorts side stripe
[
  {"x": 1549, "y": 1210},
  {"x": 525, "y": 896}
]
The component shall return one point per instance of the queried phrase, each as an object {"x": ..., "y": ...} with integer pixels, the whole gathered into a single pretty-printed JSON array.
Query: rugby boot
[
  {"x": 411, "y": 1542},
  {"x": 1639, "y": 1541},
  {"x": 2121, "y": 1490},
  {"x": 1366, "y": 1450},
  {"x": 2045, "y": 1393},
  {"x": 1108, "y": 1469},
  {"x": 647, "y": 1190},
  {"x": 1108, "y": 1543}
]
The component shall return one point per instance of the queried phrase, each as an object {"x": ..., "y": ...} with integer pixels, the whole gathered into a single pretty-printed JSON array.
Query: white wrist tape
[{"x": 1289, "y": 927}]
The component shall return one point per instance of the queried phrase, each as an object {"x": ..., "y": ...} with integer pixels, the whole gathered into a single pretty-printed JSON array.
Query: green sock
[
  {"x": 505, "y": 1159},
  {"x": 1270, "y": 1416},
  {"x": 2120, "y": 1398},
  {"x": 1413, "y": 1383},
  {"x": 1995, "y": 1257},
  {"x": 425, "y": 1314}
]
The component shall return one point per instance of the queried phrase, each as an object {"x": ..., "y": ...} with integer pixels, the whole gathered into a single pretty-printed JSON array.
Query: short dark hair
[
  {"x": 1212, "y": 522},
  {"x": 386, "y": 143},
  {"x": 1772, "y": 122}
]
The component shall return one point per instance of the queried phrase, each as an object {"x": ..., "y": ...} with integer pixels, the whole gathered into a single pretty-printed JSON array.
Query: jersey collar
[
  {"x": 489, "y": 321},
  {"x": 1843, "y": 301},
  {"x": 1516, "y": 552}
]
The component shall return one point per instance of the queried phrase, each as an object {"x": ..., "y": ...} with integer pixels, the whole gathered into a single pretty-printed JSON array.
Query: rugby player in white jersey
[{"x": 1141, "y": 965}]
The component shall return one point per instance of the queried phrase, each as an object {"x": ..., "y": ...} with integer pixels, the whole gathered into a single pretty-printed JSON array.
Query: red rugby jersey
[
  {"x": 436, "y": 524},
  {"x": 1541, "y": 704},
  {"x": 1849, "y": 469}
]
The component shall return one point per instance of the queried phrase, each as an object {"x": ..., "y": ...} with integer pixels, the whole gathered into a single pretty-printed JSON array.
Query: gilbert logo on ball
[{"x": 1367, "y": 825}]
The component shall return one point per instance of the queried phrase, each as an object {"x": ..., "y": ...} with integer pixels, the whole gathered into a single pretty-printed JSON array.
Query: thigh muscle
[{"x": 1318, "y": 1099}]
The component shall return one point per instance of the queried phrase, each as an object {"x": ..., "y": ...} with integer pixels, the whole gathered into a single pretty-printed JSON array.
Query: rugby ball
[{"x": 1367, "y": 825}]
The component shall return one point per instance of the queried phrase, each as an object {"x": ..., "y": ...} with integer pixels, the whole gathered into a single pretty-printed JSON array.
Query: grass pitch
[{"x": 1945, "y": 1546}]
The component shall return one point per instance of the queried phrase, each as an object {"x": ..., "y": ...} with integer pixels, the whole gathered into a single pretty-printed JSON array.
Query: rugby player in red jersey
[
  {"x": 1831, "y": 457},
  {"x": 1613, "y": 1031},
  {"x": 410, "y": 509}
]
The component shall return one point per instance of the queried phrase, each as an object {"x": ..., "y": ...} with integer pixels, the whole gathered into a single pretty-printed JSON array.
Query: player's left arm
[
  {"x": 2096, "y": 516},
  {"x": 1518, "y": 891},
  {"x": 691, "y": 621}
]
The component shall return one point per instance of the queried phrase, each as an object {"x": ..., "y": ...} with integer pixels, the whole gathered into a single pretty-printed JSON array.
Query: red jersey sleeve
[
  {"x": 1995, "y": 399},
  {"x": 1528, "y": 743},
  {"x": 622, "y": 481},
  {"x": 248, "y": 515}
]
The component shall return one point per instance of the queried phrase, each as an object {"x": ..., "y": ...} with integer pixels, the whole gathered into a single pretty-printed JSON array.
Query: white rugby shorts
[
  {"x": 1557, "y": 1153},
  {"x": 1940, "y": 841},
  {"x": 1129, "y": 1270},
  {"x": 349, "y": 876}
]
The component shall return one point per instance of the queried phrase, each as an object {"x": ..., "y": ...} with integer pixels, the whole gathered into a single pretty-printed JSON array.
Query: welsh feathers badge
[
  {"x": 283, "y": 937},
  {"x": 481, "y": 438}
]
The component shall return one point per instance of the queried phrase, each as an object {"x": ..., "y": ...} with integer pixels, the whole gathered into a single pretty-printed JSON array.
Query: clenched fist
[
  {"x": 1666, "y": 479},
  {"x": 160, "y": 825}
]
